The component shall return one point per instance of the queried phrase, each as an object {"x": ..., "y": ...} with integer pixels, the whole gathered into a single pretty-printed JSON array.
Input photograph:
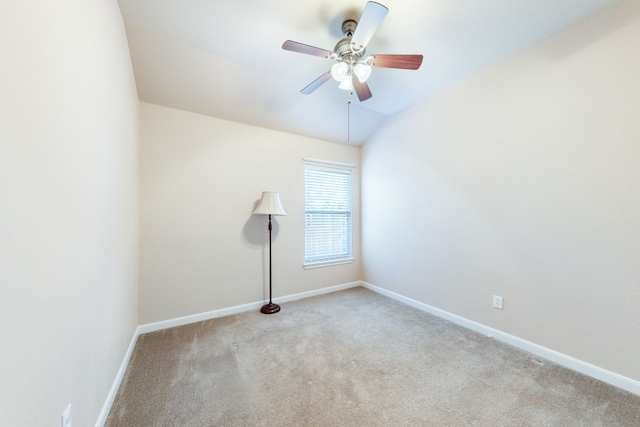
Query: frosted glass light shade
[
  {"x": 339, "y": 71},
  {"x": 269, "y": 204},
  {"x": 346, "y": 83},
  {"x": 362, "y": 72}
]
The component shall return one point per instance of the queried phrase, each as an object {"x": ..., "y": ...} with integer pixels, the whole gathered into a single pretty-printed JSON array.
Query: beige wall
[
  {"x": 68, "y": 208},
  {"x": 200, "y": 247},
  {"x": 522, "y": 181}
]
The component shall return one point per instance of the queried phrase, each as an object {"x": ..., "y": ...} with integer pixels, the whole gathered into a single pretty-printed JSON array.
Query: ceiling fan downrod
[{"x": 349, "y": 27}]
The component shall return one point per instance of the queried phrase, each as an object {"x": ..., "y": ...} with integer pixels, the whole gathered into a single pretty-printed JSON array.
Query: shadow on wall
[{"x": 255, "y": 232}]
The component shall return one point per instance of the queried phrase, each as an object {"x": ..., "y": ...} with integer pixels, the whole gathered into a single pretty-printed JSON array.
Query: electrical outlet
[
  {"x": 66, "y": 417},
  {"x": 497, "y": 301}
]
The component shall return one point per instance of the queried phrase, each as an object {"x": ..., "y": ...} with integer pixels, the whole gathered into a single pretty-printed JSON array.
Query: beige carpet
[{"x": 352, "y": 358}]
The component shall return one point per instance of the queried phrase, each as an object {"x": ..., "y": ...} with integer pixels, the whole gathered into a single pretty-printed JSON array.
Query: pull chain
[{"x": 349, "y": 117}]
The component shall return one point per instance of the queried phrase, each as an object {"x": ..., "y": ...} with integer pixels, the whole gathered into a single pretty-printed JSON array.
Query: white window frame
[{"x": 338, "y": 168}]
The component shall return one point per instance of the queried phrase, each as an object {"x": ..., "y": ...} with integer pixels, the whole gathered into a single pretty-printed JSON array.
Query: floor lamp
[{"x": 269, "y": 204}]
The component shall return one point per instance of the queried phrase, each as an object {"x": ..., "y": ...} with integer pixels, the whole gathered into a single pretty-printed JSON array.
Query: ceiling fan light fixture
[
  {"x": 362, "y": 72},
  {"x": 346, "y": 83},
  {"x": 339, "y": 71},
  {"x": 350, "y": 54}
]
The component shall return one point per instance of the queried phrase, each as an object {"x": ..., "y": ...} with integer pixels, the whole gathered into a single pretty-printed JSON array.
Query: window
[{"x": 327, "y": 210}]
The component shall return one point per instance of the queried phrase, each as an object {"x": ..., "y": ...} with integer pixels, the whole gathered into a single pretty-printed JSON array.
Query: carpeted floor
[{"x": 352, "y": 358}]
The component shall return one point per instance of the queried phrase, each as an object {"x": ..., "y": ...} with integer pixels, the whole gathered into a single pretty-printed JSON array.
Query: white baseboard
[
  {"x": 118, "y": 380},
  {"x": 317, "y": 292},
  {"x": 180, "y": 321},
  {"x": 157, "y": 326},
  {"x": 598, "y": 373},
  {"x": 569, "y": 362}
]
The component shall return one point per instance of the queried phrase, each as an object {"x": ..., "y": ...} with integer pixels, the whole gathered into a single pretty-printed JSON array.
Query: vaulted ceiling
[{"x": 224, "y": 58}]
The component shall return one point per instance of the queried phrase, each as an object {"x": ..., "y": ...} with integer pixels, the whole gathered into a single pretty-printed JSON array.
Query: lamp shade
[{"x": 269, "y": 204}]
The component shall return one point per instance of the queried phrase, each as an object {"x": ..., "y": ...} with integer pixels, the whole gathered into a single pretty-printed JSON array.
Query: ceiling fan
[{"x": 353, "y": 66}]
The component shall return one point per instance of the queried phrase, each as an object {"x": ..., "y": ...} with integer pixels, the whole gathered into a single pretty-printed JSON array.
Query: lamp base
[{"x": 270, "y": 308}]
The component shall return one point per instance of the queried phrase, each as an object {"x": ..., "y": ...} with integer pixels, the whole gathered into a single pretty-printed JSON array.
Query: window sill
[{"x": 329, "y": 263}]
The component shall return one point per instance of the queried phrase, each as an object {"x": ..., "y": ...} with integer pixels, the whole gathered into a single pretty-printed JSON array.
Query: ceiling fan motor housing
[{"x": 344, "y": 49}]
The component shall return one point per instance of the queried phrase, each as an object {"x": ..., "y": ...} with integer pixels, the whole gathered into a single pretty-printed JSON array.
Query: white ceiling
[{"x": 223, "y": 58}]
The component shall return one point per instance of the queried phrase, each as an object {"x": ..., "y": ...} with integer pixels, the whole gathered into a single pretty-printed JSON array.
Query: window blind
[{"x": 327, "y": 214}]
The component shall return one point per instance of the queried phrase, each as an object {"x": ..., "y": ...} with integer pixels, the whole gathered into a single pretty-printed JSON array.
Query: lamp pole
[
  {"x": 270, "y": 308},
  {"x": 269, "y": 204}
]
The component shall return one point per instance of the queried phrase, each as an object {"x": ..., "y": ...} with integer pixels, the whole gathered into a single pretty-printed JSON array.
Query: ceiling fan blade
[
  {"x": 306, "y": 49},
  {"x": 362, "y": 89},
  {"x": 371, "y": 18},
  {"x": 406, "y": 62},
  {"x": 316, "y": 83}
]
